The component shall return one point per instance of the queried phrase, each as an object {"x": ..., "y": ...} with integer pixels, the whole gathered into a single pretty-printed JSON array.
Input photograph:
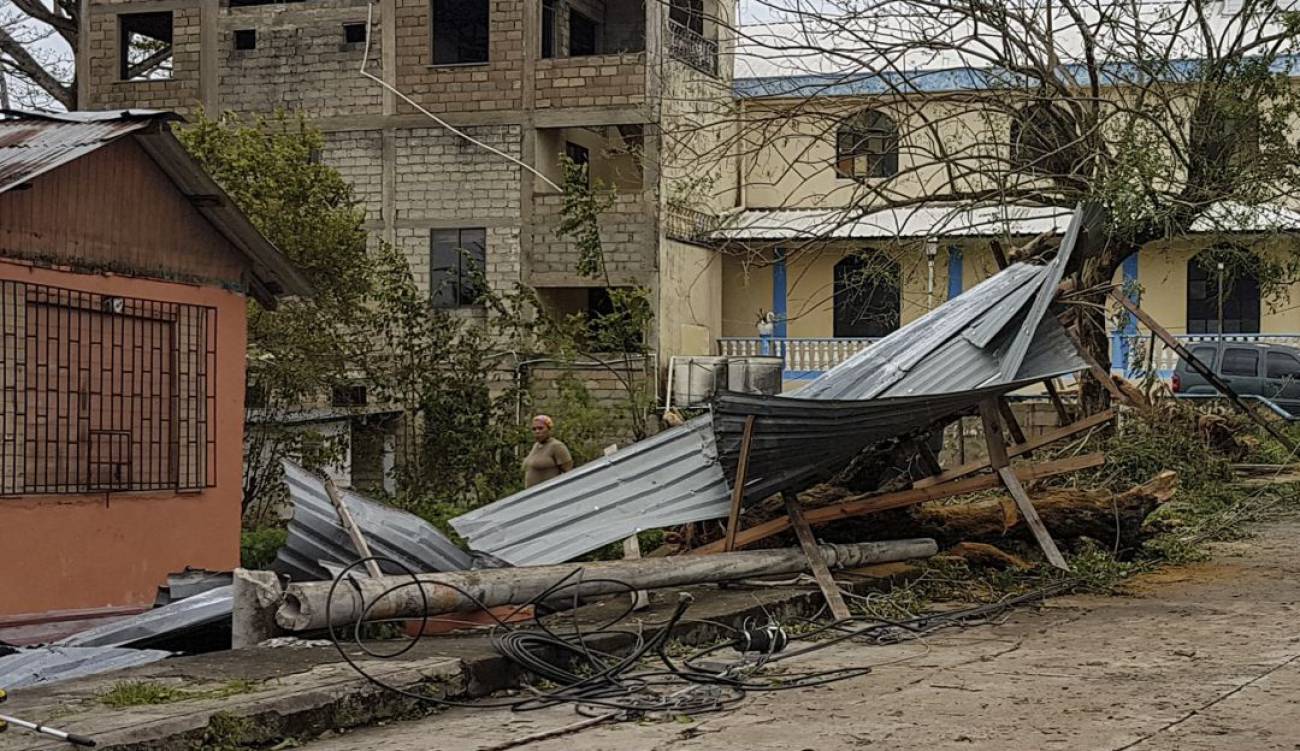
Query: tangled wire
[{"x": 608, "y": 672}]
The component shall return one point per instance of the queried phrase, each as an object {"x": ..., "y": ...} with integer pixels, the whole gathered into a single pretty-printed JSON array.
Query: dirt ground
[{"x": 1197, "y": 658}]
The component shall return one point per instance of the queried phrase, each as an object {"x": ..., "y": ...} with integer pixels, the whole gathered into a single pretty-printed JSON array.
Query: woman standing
[{"x": 549, "y": 456}]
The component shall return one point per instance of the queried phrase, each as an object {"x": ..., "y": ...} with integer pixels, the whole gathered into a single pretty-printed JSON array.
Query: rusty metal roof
[{"x": 34, "y": 143}]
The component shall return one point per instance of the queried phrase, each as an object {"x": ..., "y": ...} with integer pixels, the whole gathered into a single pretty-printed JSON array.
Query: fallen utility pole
[
  {"x": 304, "y": 604},
  {"x": 1203, "y": 371}
]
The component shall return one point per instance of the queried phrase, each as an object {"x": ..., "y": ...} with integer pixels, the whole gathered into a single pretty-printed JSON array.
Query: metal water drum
[
  {"x": 755, "y": 375},
  {"x": 696, "y": 378}
]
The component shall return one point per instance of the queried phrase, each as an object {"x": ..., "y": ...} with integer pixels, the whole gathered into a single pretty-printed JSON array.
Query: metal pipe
[{"x": 304, "y": 604}]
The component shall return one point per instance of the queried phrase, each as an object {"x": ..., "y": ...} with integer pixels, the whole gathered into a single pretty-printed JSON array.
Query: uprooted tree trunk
[{"x": 1111, "y": 519}]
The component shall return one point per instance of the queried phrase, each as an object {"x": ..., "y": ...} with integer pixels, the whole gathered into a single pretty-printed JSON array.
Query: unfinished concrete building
[{"x": 605, "y": 82}]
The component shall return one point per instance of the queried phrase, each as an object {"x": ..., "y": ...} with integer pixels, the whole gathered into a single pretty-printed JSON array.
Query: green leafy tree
[{"x": 299, "y": 352}]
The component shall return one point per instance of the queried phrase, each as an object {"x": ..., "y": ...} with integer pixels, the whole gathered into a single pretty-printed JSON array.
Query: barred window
[
  {"x": 866, "y": 145},
  {"x": 103, "y": 394}
]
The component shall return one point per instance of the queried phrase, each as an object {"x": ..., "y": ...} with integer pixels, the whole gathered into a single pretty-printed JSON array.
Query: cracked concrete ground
[{"x": 1195, "y": 658}]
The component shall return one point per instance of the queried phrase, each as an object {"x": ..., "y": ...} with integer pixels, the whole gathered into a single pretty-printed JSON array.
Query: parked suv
[{"x": 1270, "y": 371}]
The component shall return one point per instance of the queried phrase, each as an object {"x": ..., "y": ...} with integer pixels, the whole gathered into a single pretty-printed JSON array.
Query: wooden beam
[
  {"x": 998, "y": 460},
  {"x": 738, "y": 488},
  {"x": 1045, "y": 439},
  {"x": 1172, "y": 342},
  {"x": 1062, "y": 414},
  {"x": 929, "y": 462},
  {"x": 350, "y": 526},
  {"x": 1013, "y": 425},
  {"x": 1098, "y": 372},
  {"x": 870, "y": 504},
  {"x": 821, "y": 572}
]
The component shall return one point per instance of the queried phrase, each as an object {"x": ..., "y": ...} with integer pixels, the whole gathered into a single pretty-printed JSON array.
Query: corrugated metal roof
[
  {"x": 947, "y": 220},
  {"x": 676, "y": 477},
  {"x": 42, "y": 665},
  {"x": 316, "y": 535},
  {"x": 162, "y": 623},
  {"x": 34, "y": 143},
  {"x": 671, "y": 478}
]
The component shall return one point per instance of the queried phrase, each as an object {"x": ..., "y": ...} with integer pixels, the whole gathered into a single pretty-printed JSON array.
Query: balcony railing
[
  {"x": 682, "y": 223},
  {"x": 693, "y": 48},
  {"x": 1129, "y": 352},
  {"x": 803, "y": 357}
]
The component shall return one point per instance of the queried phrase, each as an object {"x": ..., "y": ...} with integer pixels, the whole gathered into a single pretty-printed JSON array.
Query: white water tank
[
  {"x": 696, "y": 378},
  {"x": 755, "y": 375}
]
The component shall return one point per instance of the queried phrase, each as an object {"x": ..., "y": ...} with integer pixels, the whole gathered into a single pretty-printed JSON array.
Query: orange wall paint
[{"x": 81, "y": 552}]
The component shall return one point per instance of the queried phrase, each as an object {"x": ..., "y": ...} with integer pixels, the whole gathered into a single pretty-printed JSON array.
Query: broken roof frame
[{"x": 1000, "y": 325}]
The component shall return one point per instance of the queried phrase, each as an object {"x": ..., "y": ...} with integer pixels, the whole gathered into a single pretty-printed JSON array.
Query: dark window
[
  {"x": 354, "y": 33},
  {"x": 460, "y": 31},
  {"x": 348, "y": 396},
  {"x": 1282, "y": 365},
  {"x": 246, "y": 39},
  {"x": 145, "y": 46},
  {"x": 582, "y": 35},
  {"x": 1044, "y": 141},
  {"x": 457, "y": 262},
  {"x": 580, "y": 156},
  {"x": 314, "y": 156},
  {"x": 866, "y": 145},
  {"x": 548, "y": 28},
  {"x": 1240, "y": 299},
  {"x": 1240, "y": 362},
  {"x": 1205, "y": 355},
  {"x": 688, "y": 13},
  {"x": 866, "y": 296}
]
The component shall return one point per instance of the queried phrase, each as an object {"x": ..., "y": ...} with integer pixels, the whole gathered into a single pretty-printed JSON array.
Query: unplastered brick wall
[
  {"x": 592, "y": 81},
  {"x": 358, "y": 156},
  {"x": 180, "y": 93},
  {"x": 442, "y": 176},
  {"x": 627, "y": 236},
  {"x": 494, "y": 85},
  {"x": 300, "y": 60}
]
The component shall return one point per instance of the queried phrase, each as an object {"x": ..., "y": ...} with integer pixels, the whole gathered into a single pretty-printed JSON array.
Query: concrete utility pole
[{"x": 303, "y": 607}]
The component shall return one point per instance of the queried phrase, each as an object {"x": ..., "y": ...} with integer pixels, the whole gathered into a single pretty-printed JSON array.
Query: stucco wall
[
  {"x": 690, "y": 300},
  {"x": 112, "y": 550}
]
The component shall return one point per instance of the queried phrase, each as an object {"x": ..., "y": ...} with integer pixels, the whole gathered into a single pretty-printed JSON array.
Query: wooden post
[
  {"x": 1101, "y": 374},
  {"x": 350, "y": 526},
  {"x": 1062, "y": 415},
  {"x": 632, "y": 552},
  {"x": 999, "y": 255},
  {"x": 738, "y": 489},
  {"x": 1204, "y": 372},
  {"x": 998, "y": 460},
  {"x": 821, "y": 572},
  {"x": 1013, "y": 426},
  {"x": 929, "y": 462}
]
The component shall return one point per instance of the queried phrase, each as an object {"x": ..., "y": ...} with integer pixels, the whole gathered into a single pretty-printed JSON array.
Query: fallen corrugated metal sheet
[
  {"x": 676, "y": 477},
  {"x": 797, "y": 441},
  {"x": 316, "y": 535},
  {"x": 165, "y": 623},
  {"x": 42, "y": 665},
  {"x": 670, "y": 478}
]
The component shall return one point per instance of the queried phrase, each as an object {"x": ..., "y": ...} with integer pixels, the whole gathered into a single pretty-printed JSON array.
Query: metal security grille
[{"x": 102, "y": 393}]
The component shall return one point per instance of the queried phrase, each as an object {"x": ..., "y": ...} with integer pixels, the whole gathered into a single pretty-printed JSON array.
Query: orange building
[{"x": 124, "y": 272}]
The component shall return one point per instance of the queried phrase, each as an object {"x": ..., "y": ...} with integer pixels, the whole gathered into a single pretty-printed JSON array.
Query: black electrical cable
[{"x": 600, "y": 683}]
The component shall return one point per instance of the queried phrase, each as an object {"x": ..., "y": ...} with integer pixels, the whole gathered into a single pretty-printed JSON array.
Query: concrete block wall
[
  {"x": 628, "y": 234},
  {"x": 592, "y": 81},
  {"x": 301, "y": 61},
  {"x": 358, "y": 155},
  {"x": 107, "y": 90},
  {"x": 439, "y": 174},
  {"x": 494, "y": 85}
]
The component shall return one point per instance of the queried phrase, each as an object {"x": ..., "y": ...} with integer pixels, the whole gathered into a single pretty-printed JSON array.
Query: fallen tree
[{"x": 1068, "y": 513}]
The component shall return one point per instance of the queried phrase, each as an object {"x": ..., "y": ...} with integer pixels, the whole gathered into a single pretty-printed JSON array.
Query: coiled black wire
[{"x": 603, "y": 683}]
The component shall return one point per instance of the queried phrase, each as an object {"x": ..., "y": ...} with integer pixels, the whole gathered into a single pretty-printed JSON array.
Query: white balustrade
[{"x": 801, "y": 355}]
